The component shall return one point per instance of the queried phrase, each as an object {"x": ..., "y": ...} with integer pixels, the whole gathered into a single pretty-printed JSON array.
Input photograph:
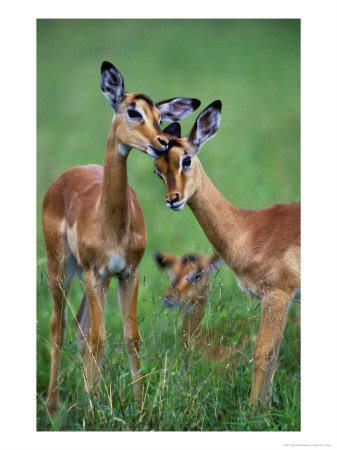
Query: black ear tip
[
  {"x": 195, "y": 103},
  {"x": 160, "y": 260},
  {"x": 217, "y": 105},
  {"x": 106, "y": 65}
]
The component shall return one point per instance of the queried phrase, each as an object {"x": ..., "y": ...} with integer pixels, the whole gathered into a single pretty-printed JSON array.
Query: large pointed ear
[
  {"x": 112, "y": 84},
  {"x": 173, "y": 130},
  {"x": 164, "y": 260},
  {"x": 177, "y": 108},
  {"x": 206, "y": 125}
]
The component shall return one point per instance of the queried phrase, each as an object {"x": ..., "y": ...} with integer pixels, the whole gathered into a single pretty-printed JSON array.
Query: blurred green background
[{"x": 252, "y": 66}]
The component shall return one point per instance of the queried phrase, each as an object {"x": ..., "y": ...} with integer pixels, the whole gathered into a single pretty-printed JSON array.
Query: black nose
[
  {"x": 162, "y": 141},
  {"x": 175, "y": 199},
  {"x": 170, "y": 302}
]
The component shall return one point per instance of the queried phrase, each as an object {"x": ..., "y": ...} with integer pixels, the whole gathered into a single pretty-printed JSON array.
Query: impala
[
  {"x": 189, "y": 283},
  {"x": 188, "y": 290},
  {"x": 93, "y": 222},
  {"x": 261, "y": 247}
]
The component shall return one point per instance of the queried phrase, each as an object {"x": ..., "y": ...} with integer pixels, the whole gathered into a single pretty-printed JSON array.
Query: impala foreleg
[
  {"x": 128, "y": 293},
  {"x": 274, "y": 309},
  {"x": 95, "y": 341}
]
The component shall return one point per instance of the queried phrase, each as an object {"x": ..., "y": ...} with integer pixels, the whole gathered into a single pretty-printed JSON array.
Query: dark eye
[
  {"x": 187, "y": 161},
  {"x": 133, "y": 114},
  {"x": 194, "y": 276}
]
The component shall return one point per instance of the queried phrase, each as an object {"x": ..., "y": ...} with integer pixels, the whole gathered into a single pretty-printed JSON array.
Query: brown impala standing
[
  {"x": 262, "y": 247},
  {"x": 93, "y": 222}
]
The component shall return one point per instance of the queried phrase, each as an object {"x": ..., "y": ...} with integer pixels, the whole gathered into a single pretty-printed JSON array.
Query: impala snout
[
  {"x": 171, "y": 302},
  {"x": 161, "y": 144},
  {"x": 175, "y": 201}
]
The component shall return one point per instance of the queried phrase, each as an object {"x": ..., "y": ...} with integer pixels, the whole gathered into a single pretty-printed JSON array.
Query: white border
[{"x": 319, "y": 121}]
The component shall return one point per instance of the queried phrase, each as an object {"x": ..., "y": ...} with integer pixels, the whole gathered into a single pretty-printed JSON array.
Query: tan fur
[
  {"x": 262, "y": 247},
  {"x": 92, "y": 220}
]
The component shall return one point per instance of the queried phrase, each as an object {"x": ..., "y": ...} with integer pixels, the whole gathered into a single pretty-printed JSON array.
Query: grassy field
[{"x": 253, "y": 67}]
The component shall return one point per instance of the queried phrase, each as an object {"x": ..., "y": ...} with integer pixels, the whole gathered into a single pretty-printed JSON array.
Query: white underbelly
[{"x": 116, "y": 266}]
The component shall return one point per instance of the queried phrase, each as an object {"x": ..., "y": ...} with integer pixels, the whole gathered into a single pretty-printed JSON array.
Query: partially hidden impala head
[
  {"x": 179, "y": 166},
  {"x": 189, "y": 277},
  {"x": 137, "y": 117}
]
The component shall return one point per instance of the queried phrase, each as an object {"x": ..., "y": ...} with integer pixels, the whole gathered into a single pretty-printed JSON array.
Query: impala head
[
  {"x": 137, "y": 117},
  {"x": 189, "y": 275},
  {"x": 179, "y": 166}
]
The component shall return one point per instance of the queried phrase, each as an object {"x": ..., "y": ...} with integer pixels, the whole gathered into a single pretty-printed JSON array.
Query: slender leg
[
  {"x": 94, "y": 346},
  {"x": 274, "y": 308},
  {"x": 128, "y": 293},
  {"x": 59, "y": 293},
  {"x": 82, "y": 321},
  {"x": 82, "y": 324},
  {"x": 191, "y": 329}
]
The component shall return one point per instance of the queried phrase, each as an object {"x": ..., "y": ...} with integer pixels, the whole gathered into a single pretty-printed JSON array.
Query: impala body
[
  {"x": 93, "y": 223},
  {"x": 262, "y": 247}
]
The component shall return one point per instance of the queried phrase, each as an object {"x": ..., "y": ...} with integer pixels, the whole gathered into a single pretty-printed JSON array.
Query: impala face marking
[
  {"x": 137, "y": 126},
  {"x": 175, "y": 167},
  {"x": 137, "y": 117},
  {"x": 179, "y": 166}
]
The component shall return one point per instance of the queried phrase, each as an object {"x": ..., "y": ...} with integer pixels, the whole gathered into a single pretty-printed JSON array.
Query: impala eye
[
  {"x": 133, "y": 114},
  {"x": 194, "y": 276},
  {"x": 187, "y": 161}
]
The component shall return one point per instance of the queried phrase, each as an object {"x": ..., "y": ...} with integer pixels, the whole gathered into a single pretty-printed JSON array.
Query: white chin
[
  {"x": 177, "y": 207},
  {"x": 152, "y": 153}
]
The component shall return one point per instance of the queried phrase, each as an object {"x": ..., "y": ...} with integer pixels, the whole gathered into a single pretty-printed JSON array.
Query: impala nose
[
  {"x": 173, "y": 200},
  {"x": 163, "y": 142},
  {"x": 171, "y": 302}
]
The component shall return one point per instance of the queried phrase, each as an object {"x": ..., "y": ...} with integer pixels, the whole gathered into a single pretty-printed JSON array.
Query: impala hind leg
[
  {"x": 274, "y": 308},
  {"x": 59, "y": 291},
  {"x": 94, "y": 331},
  {"x": 128, "y": 294},
  {"x": 82, "y": 324}
]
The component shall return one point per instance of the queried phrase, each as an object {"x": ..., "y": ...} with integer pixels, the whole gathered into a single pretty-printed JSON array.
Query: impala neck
[
  {"x": 114, "y": 206},
  {"x": 222, "y": 222}
]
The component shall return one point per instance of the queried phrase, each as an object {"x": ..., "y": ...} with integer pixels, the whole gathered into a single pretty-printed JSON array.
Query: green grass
[{"x": 253, "y": 67}]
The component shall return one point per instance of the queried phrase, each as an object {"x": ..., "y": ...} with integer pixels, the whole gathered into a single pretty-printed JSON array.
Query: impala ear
[
  {"x": 178, "y": 108},
  {"x": 164, "y": 260},
  {"x": 173, "y": 130},
  {"x": 206, "y": 125},
  {"x": 112, "y": 84}
]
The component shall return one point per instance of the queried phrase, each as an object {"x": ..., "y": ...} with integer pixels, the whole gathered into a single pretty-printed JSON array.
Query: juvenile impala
[
  {"x": 93, "y": 222},
  {"x": 189, "y": 283},
  {"x": 262, "y": 247},
  {"x": 188, "y": 289}
]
